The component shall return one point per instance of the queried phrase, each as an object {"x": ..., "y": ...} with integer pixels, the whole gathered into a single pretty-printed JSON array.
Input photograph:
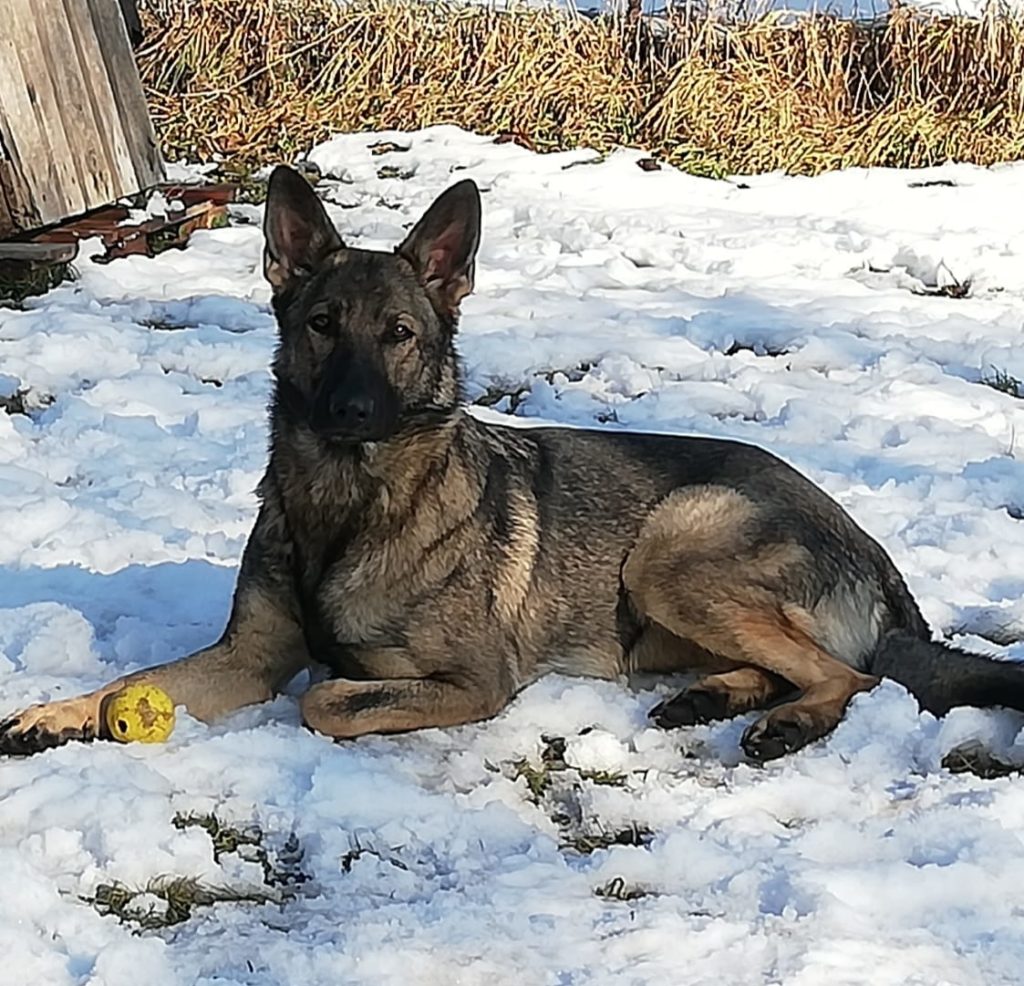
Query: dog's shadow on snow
[{"x": 140, "y": 614}]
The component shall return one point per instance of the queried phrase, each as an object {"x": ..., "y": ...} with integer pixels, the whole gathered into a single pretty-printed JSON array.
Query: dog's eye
[
  {"x": 320, "y": 322},
  {"x": 401, "y": 332}
]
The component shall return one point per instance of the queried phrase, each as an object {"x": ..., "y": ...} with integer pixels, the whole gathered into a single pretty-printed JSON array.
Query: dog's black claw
[
  {"x": 770, "y": 740},
  {"x": 17, "y": 744},
  {"x": 6, "y": 725},
  {"x": 9, "y": 740},
  {"x": 29, "y": 741},
  {"x": 692, "y": 707}
]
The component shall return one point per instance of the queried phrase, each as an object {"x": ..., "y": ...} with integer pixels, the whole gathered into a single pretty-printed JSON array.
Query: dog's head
[{"x": 366, "y": 337}]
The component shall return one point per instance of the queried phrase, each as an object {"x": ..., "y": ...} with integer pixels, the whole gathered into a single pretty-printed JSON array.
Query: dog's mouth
[
  {"x": 341, "y": 439},
  {"x": 408, "y": 421}
]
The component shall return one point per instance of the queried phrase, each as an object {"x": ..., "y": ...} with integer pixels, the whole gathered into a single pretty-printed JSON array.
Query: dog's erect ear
[
  {"x": 442, "y": 246},
  {"x": 297, "y": 231}
]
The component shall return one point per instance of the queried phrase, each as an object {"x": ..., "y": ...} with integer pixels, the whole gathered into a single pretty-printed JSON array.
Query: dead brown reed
[{"x": 261, "y": 80}]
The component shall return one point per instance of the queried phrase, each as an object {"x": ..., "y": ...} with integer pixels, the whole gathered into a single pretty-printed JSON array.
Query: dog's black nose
[
  {"x": 351, "y": 412},
  {"x": 356, "y": 405}
]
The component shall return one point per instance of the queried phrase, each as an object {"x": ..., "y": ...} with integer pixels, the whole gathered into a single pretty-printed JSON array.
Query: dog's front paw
[{"x": 42, "y": 727}]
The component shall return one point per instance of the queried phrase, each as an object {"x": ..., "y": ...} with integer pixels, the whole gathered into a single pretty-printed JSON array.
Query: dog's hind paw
[
  {"x": 785, "y": 729},
  {"x": 691, "y": 707},
  {"x": 773, "y": 740}
]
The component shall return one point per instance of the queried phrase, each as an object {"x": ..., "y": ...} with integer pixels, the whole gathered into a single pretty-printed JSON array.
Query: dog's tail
[{"x": 942, "y": 677}]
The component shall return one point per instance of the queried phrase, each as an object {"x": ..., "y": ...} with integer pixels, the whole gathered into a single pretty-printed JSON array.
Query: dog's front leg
[
  {"x": 344, "y": 709},
  {"x": 261, "y": 649}
]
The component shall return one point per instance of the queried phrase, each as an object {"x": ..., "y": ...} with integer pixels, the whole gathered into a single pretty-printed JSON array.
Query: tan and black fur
[{"x": 438, "y": 564}]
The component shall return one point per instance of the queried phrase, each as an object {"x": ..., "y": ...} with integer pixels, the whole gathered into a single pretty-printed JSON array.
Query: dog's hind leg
[
  {"x": 704, "y": 569},
  {"x": 724, "y": 690},
  {"x": 779, "y": 653}
]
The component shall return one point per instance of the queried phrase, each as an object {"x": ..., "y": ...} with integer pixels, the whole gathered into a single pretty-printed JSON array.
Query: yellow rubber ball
[{"x": 140, "y": 714}]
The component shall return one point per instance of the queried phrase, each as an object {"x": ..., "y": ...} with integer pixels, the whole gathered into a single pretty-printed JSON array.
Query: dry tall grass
[{"x": 259, "y": 80}]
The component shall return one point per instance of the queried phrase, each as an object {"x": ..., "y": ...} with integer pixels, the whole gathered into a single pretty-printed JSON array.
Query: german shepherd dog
[{"x": 438, "y": 564}]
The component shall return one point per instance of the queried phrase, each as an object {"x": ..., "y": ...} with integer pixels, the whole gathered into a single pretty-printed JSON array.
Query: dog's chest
[
  {"x": 359, "y": 585},
  {"x": 359, "y": 603}
]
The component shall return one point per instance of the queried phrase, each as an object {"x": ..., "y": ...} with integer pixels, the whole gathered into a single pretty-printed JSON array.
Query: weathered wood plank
[
  {"x": 27, "y": 24},
  {"x": 28, "y": 152},
  {"x": 128, "y": 93},
  {"x": 93, "y": 69},
  {"x": 16, "y": 209},
  {"x": 75, "y": 131},
  {"x": 87, "y": 143},
  {"x": 7, "y": 226},
  {"x": 49, "y": 253},
  {"x": 18, "y": 213}
]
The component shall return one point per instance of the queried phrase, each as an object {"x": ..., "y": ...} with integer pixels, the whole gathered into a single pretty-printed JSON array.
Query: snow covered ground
[{"x": 804, "y": 314}]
